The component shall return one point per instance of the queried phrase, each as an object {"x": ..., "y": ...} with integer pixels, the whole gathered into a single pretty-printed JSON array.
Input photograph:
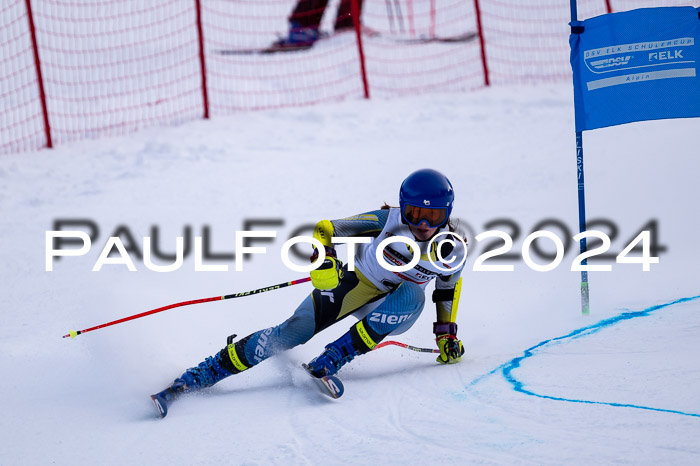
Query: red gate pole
[
  {"x": 202, "y": 62},
  {"x": 481, "y": 42},
  {"x": 608, "y": 6},
  {"x": 358, "y": 32},
  {"x": 39, "y": 78}
]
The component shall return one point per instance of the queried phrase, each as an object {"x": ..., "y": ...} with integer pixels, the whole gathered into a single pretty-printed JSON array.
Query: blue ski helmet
[{"x": 426, "y": 196}]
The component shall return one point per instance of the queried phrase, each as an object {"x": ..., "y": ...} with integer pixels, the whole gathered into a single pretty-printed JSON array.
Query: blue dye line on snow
[{"x": 508, "y": 368}]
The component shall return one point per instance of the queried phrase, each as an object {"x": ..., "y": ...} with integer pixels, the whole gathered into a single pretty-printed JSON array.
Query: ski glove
[
  {"x": 451, "y": 349},
  {"x": 328, "y": 275}
]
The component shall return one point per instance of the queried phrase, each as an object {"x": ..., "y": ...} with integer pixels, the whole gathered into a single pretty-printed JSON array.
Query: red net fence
[{"x": 76, "y": 69}]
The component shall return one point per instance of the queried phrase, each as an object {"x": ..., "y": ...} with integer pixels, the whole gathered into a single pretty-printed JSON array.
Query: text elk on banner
[{"x": 636, "y": 65}]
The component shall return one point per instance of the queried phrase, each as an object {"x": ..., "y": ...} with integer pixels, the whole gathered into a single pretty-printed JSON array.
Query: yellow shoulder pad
[{"x": 324, "y": 232}]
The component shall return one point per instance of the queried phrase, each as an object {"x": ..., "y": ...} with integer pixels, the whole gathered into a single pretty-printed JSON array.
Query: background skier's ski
[{"x": 277, "y": 48}]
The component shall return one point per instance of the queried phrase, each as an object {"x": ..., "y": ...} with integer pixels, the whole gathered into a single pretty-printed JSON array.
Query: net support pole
[
  {"x": 39, "y": 77},
  {"x": 409, "y": 13},
  {"x": 202, "y": 61},
  {"x": 480, "y": 30},
  {"x": 360, "y": 51}
]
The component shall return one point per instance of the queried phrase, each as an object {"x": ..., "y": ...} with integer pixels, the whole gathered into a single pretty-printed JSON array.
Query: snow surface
[{"x": 624, "y": 391}]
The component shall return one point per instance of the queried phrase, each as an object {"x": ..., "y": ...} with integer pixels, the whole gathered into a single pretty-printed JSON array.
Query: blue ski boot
[
  {"x": 206, "y": 374},
  {"x": 335, "y": 356},
  {"x": 299, "y": 37}
]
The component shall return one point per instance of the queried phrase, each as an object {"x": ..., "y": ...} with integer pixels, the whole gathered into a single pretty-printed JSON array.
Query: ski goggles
[{"x": 434, "y": 216}]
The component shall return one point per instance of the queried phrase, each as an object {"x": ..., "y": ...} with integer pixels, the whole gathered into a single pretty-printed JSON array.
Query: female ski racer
[{"x": 384, "y": 302}]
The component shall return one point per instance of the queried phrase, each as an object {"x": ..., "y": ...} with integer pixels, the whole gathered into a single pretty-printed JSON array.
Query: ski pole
[
  {"x": 399, "y": 15},
  {"x": 390, "y": 14},
  {"x": 74, "y": 334},
  {"x": 404, "y": 345}
]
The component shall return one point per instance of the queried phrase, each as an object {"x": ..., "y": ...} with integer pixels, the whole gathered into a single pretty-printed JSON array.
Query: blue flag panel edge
[{"x": 636, "y": 65}]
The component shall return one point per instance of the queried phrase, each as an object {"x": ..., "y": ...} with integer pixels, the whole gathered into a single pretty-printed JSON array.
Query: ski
[
  {"x": 465, "y": 37},
  {"x": 330, "y": 384},
  {"x": 277, "y": 48},
  {"x": 160, "y": 404},
  {"x": 274, "y": 48},
  {"x": 162, "y": 399}
]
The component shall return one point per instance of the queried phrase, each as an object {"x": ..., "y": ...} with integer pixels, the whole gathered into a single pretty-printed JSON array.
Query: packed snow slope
[{"x": 539, "y": 383}]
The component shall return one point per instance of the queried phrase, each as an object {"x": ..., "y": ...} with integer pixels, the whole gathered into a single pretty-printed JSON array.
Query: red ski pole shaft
[
  {"x": 408, "y": 347},
  {"x": 74, "y": 333}
]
